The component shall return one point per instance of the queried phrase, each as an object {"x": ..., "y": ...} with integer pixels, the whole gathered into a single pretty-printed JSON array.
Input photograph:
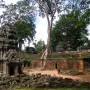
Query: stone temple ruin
[{"x": 10, "y": 63}]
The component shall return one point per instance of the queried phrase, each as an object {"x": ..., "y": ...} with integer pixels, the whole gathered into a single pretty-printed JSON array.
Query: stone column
[
  {"x": 22, "y": 67},
  {"x": 16, "y": 70},
  {"x": 5, "y": 68}
]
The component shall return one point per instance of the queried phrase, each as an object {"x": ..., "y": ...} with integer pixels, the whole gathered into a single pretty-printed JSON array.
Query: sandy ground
[{"x": 56, "y": 74}]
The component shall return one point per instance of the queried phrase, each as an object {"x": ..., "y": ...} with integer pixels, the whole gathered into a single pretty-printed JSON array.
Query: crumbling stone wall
[{"x": 60, "y": 64}]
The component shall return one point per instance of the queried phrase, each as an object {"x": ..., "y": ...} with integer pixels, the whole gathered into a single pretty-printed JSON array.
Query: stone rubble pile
[{"x": 38, "y": 81}]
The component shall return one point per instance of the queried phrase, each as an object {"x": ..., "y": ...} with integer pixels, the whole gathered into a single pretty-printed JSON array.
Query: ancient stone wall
[
  {"x": 37, "y": 63},
  {"x": 60, "y": 64}
]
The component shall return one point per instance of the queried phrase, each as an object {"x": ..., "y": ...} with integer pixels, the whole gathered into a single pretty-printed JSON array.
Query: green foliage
[
  {"x": 39, "y": 46},
  {"x": 70, "y": 31},
  {"x": 25, "y": 26},
  {"x": 25, "y": 31}
]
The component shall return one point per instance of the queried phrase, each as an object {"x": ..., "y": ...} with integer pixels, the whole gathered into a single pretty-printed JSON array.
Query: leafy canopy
[
  {"x": 39, "y": 46},
  {"x": 70, "y": 31},
  {"x": 25, "y": 30}
]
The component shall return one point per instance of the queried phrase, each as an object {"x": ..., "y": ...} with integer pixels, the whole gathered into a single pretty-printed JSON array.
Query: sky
[
  {"x": 41, "y": 26},
  {"x": 41, "y": 29}
]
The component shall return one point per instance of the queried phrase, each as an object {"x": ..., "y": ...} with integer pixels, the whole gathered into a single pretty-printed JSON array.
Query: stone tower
[{"x": 10, "y": 63}]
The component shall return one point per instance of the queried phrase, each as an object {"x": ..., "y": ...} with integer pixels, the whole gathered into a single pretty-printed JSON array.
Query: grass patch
[
  {"x": 53, "y": 89},
  {"x": 30, "y": 57},
  {"x": 55, "y": 56}
]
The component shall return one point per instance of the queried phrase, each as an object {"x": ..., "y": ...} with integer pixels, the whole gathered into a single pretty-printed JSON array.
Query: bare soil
[{"x": 85, "y": 77}]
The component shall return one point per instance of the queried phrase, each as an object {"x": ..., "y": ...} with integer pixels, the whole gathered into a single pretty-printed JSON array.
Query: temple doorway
[
  {"x": 87, "y": 64},
  {"x": 11, "y": 69}
]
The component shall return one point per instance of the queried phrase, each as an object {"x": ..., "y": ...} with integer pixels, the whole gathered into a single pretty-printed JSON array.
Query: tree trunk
[
  {"x": 49, "y": 43},
  {"x": 47, "y": 53}
]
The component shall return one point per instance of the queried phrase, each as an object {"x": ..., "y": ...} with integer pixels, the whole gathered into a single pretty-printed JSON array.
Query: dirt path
[
  {"x": 56, "y": 74},
  {"x": 85, "y": 77}
]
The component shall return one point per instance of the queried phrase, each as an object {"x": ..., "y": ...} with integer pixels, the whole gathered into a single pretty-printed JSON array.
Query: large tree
[
  {"x": 70, "y": 31},
  {"x": 81, "y": 5},
  {"x": 25, "y": 31},
  {"x": 21, "y": 15},
  {"x": 2, "y": 4},
  {"x": 48, "y": 9},
  {"x": 15, "y": 12}
]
